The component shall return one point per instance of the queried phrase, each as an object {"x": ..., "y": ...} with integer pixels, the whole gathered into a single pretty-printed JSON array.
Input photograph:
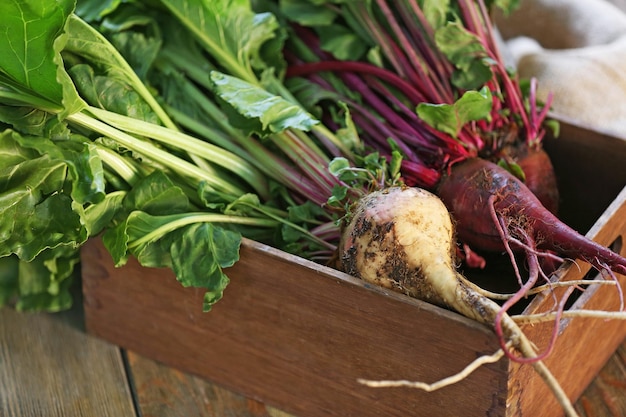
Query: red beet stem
[
  {"x": 304, "y": 69},
  {"x": 475, "y": 184}
]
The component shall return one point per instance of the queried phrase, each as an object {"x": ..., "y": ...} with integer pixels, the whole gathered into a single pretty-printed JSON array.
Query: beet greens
[
  {"x": 427, "y": 79},
  {"x": 93, "y": 144},
  {"x": 267, "y": 120}
]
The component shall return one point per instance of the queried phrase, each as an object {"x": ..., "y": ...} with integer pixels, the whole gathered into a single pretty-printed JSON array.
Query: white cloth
[{"x": 577, "y": 51}]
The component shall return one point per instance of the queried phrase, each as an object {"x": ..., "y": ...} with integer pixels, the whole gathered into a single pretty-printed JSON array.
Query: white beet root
[{"x": 402, "y": 238}]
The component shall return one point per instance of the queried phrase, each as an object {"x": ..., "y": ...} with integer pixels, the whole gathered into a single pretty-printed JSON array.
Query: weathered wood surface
[
  {"x": 299, "y": 338},
  {"x": 576, "y": 336},
  {"x": 161, "y": 391},
  {"x": 293, "y": 338},
  {"x": 606, "y": 395},
  {"x": 50, "y": 367}
]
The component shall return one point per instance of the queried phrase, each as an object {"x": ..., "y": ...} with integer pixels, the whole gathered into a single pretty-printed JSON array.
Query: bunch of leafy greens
[
  {"x": 426, "y": 73},
  {"x": 167, "y": 128},
  {"x": 91, "y": 108}
]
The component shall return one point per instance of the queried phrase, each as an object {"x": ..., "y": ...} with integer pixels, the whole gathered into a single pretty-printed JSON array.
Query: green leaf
[
  {"x": 45, "y": 273},
  {"x": 89, "y": 44},
  {"x": 47, "y": 302},
  {"x": 338, "y": 195},
  {"x": 304, "y": 213},
  {"x": 151, "y": 252},
  {"x": 201, "y": 253},
  {"x": 342, "y": 42},
  {"x": 32, "y": 121},
  {"x": 474, "y": 105},
  {"x": 85, "y": 171},
  {"x": 111, "y": 93},
  {"x": 36, "y": 212},
  {"x": 299, "y": 217},
  {"x": 140, "y": 15},
  {"x": 33, "y": 37},
  {"x": 507, "y": 6},
  {"x": 45, "y": 283},
  {"x": 243, "y": 205},
  {"x": 229, "y": 30},
  {"x": 139, "y": 50},
  {"x": 338, "y": 165},
  {"x": 436, "y": 12},
  {"x": 146, "y": 237},
  {"x": 440, "y": 116},
  {"x": 156, "y": 194},
  {"x": 12, "y": 152},
  {"x": 199, "y": 259},
  {"x": 210, "y": 198},
  {"x": 450, "y": 118},
  {"x": 468, "y": 55},
  {"x": 9, "y": 267},
  {"x": 86, "y": 42},
  {"x": 396, "y": 164},
  {"x": 348, "y": 134},
  {"x": 98, "y": 216},
  {"x": 91, "y": 10},
  {"x": 40, "y": 222},
  {"x": 271, "y": 112},
  {"x": 116, "y": 240},
  {"x": 197, "y": 253},
  {"x": 513, "y": 168},
  {"x": 152, "y": 203},
  {"x": 307, "y": 13},
  {"x": 554, "y": 126}
]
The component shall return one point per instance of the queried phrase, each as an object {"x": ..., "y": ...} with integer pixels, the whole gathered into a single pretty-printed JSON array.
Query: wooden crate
[{"x": 297, "y": 335}]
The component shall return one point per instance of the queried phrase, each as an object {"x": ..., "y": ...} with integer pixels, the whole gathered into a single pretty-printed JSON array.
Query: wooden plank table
[{"x": 50, "y": 367}]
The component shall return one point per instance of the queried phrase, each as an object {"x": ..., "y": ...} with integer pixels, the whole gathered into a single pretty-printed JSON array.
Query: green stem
[
  {"x": 300, "y": 229},
  {"x": 192, "y": 145},
  {"x": 181, "y": 220},
  {"x": 249, "y": 148},
  {"x": 192, "y": 69},
  {"x": 119, "y": 165},
  {"x": 225, "y": 58},
  {"x": 211, "y": 134},
  {"x": 19, "y": 98},
  {"x": 127, "y": 70},
  {"x": 182, "y": 167}
]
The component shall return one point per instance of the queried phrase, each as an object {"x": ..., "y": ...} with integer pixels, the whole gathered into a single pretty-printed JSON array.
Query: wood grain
[
  {"x": 583, "y": 345},
  {"x": 50, "y": 367},
  {"x": 168, "y": 393},
  {"x": 296, "y": 336},
  {"x": 606, "y": 396},
  {"x": 161, "y": 391}
]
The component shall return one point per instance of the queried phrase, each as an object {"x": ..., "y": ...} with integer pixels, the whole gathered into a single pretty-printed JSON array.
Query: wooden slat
[
  {"x": 296, "y": 337},
  {"x": 578, "y": 353},
  {"x": 165, "y": 392},
  {"x": 273, "y": 344},
  {"x": 606, "y": 396},
  {"x": 161, "y": 391},
  {"x": 575, "y": 360},
  {"x": 50, "y": 367}
]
